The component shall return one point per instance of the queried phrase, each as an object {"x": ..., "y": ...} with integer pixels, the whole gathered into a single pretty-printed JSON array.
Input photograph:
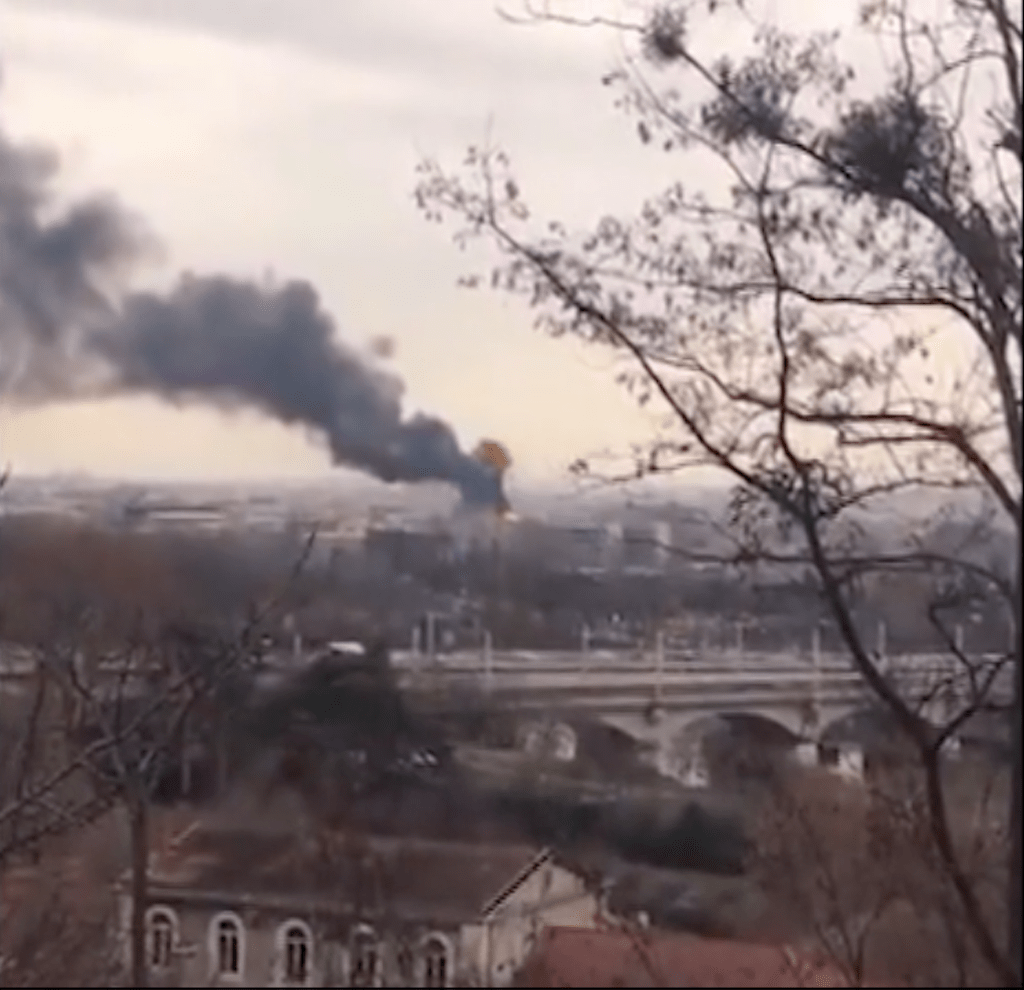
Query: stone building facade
[{"x": 237, "y": 908}]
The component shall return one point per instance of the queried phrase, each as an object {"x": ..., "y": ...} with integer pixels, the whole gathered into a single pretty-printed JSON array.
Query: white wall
[{"x": 551, "y": 896}]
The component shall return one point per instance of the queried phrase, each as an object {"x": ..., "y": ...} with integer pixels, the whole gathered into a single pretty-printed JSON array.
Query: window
[
  {"x": 365, "y": 959},
  {"x": 226, "y": 945},
  {"x": 161, "y": 932},
  {"x": 296, "y": 949},
  {"x": 435, "y": 962}
]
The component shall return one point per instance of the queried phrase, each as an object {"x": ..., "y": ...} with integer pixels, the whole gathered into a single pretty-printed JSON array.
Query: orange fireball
[{"x": 494, "y": 454}]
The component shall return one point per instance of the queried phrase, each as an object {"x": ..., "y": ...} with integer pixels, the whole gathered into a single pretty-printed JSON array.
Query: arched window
[
  {"x": 227, "y": 945},
  {"x": 436, "y": 961},
  {"x": 161, "y": 937},
  {"x": 295, "y": 952},
  {"x": 364, "y": 958}
]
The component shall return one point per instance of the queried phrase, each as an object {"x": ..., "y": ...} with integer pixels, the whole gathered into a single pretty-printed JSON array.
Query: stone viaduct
[{"x": 667, "y": 701}]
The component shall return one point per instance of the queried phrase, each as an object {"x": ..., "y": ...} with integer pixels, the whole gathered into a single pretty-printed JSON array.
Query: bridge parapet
[
  {"x": 925, "y": 677},
  {"x": 788, "y": 691}
]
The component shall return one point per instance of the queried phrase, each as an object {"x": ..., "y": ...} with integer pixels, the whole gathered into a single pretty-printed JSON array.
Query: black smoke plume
[{"x": 67, "y": 331}]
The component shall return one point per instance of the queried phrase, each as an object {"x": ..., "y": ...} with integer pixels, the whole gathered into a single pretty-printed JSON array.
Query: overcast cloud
[{"x": 283, "y": 136}]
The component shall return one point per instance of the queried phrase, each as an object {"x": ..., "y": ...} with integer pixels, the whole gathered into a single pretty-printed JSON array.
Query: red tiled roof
[{"x": 582, "y": 957}]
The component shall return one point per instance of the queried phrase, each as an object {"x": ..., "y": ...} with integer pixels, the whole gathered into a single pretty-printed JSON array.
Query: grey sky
[{"x": 278, "y": 136}]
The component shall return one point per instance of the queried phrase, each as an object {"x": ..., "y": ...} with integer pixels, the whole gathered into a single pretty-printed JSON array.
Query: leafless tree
[
  {"x": 58, "y": 918},
  {"x": 858, "y": 867},
  {"x": 108, "y": 689},
  {"x": 830, "y": 315}
]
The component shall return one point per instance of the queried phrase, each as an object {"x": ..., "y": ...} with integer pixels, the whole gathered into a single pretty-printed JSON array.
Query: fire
[
  {"x": 497, "y": 458},
  {"x": 494, "y": 454}
]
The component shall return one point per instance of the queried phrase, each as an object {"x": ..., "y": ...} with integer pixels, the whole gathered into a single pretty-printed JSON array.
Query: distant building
[
  {"x": 177, "y": 517},
  {"x": 407, "y": 551},
  {"x": 444, "y": 632},
  {"x": 262, "y": 909},
  {"x": 582, "y": 548},
  {"x": 645, "y": 547}
]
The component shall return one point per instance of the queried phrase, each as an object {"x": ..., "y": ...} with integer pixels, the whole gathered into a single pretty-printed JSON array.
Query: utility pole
[
  {"x": 488, "y": 663},
  {"x": 816, "y": 661},
  {"x": 659, "y": 659},
  {"x": 431, "y": 643}
]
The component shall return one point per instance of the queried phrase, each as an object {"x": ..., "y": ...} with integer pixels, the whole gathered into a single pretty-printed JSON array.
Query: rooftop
[
  {"x": 582, "y": 957},
  {"x": 455, "y": 881}
]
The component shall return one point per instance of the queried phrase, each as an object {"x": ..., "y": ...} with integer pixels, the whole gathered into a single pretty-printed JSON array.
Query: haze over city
[
  {"x": 511, "y": 494},
  {"x": 260, "y": 143}
]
